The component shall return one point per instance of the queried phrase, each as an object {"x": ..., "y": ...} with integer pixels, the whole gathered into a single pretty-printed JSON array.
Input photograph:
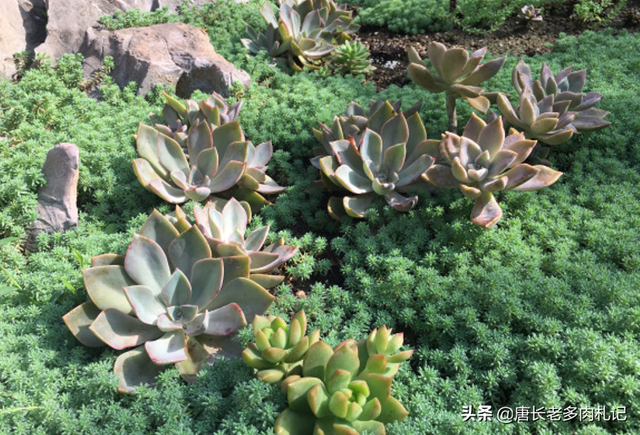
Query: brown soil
[{"x": 389, "y": 50}]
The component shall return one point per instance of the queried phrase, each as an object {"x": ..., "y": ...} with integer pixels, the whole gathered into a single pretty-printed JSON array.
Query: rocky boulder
[
  {"x": 172, "y": 54},
  {"x": 68, "y": 20},
  {"x": 22, "y": 27}
]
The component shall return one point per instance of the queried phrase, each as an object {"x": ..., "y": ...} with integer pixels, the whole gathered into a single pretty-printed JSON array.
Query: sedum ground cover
[{"x": 542, "y": 310}]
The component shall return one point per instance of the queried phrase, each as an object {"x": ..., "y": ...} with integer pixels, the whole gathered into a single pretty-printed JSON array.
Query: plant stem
[{"x": 451, "y": 112}]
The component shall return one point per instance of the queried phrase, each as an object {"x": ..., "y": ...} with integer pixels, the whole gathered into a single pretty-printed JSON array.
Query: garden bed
[{"x": 542, "y": 310}]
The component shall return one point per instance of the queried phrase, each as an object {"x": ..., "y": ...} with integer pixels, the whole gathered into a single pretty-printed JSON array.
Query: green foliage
[
  {"x": 225, "y": 22},
  {"x": 598, "y": 12},
  {"x": 136, "y": 18},
  {"x": 476, "y": 16},
  {"x": 410, "y": 16},
  {"x": 46, "y": 108}
]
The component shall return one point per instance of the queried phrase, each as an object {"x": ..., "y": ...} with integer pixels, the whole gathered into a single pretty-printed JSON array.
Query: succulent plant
[
  {"x": 357, "y": 119},
  {"x": 382, "y": 164},
  {"x": 382, "y": 342},
  {"x": 566, "y": 86},
  {"x": 351, "y": 59},
  {"x": 530, "y": 14},
  {"x": 476, "y": 163},
  {"x": 217, "y": 160},
  {"x": 305, "y": 31},
  {"x": 333, "y": 396},
  {"x": 456, "y": 73},
  {"x": 542, "y": 120},
  {"x": 279, "y": 349},
  {"x": 168, "y": 300},
  {"x": 180, "y": 118},
  {"x": 225, "y": 228}
]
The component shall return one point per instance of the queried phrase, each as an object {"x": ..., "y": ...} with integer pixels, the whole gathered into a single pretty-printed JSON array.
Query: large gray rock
[
  {"x": 13, "y": 35},
  {"x": 57, "y": 200},
  {"x": 68, "y": 20},
  {"x": 172, "y": 54}
]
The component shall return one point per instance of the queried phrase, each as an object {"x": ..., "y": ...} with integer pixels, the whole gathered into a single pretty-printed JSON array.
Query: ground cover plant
[{"x": 541, "y": 310}]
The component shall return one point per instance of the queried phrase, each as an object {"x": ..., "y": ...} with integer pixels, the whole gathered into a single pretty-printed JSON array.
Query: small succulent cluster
[
  {"x": 553, "y": 97},
  {"x": 351, "y": 58},
  {"x": 279, "y": 348},
  {"x": 201, "y": 153},
  {"x": 341, "y": 390},
  {"x": 530, "y": 14},
  {"x": 483, "y": 161},
  {"x": 379, "y": 152},
  {"x": 457, "y": 74},
  {"x": 304, "y": 33},
  {"x": 173, "y": 299}
]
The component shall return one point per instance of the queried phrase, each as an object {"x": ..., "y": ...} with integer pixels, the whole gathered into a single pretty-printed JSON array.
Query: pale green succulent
[
  {"x": 357, "y": 118},
  {"x": 168, "y": 300},
  {"x": 279, "y": 349},
  {"x": 483, "y": 161},
  {"x": 180, "y": 118},
  {"x": 217, "y": 161},
  {"x": 382, "y": 344},
  {"x": 304, "y": 32},
  {"x": 225, "y": 230},
  {"x": 456, "y": 73},
  {"x": 383, "y": 155},
  {"x": 334, "y": 396}
]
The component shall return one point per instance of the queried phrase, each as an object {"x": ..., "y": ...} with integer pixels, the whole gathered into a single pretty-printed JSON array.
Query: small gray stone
[{"x": 57, "y": 200}]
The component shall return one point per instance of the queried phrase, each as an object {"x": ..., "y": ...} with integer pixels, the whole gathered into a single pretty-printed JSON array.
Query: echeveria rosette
[
  {"x": 334, "y": 397},
  {"x": 353, "y": 124},
  {"x": 564, "y": 86},
  {"x": 537, "y": 119},
  {"x": 530, "y": 14},
  {"x": 168, "y": 300},
  {"x": 385, "y": 164},
  {"x": 225, "y": 231},
  {"x": 217, "y": 161},
  {"x": 179, "y": 118},
  {"x": 279, "y": 349},
  {"x": 303, "y": 34},
  {"x": 456, "y": 73},
  {"x": 483, "y": 161}
]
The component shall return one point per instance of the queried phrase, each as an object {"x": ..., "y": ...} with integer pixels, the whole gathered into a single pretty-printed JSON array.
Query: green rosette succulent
[
  {"x": 304, "y": 32},
  {"x": 456, "y": 73},
  {"x": 369, "y": 164},
  {"x": 179, "y": 118},
  {"x": 382, "y": 343},
  {"x": 564, "y": 86},
  {"x": 225, "y": 231},
  {"x": 483, "y": 161},
  {"x": 352, "y": 58},
  {"x": 168, "y": 301},
  {"x": 333, "y": 396},
  {"x": 217, "y": 161},
  {"x": 279, "y": 349}
]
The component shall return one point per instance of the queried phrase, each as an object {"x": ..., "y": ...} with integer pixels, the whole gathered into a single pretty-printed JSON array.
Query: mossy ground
[{"x": 542, "y": 310}]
